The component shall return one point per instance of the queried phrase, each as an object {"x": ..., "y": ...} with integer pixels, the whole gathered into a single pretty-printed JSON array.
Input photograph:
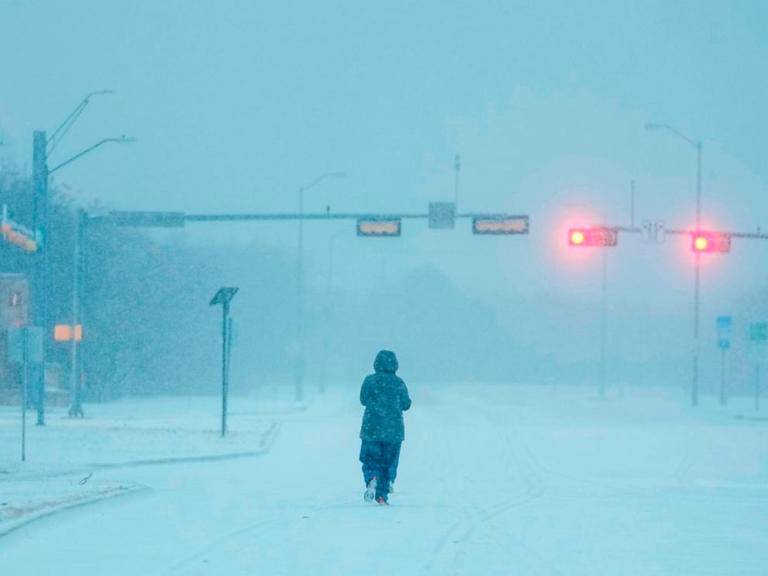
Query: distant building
[{"x": 14, "y": 313}]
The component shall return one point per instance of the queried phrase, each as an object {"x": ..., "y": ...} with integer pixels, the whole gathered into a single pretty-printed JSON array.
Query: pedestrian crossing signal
[{"x": 594, "y": 236}]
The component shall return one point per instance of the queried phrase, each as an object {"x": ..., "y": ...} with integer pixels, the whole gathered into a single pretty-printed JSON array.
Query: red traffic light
[
  {"x": 710, "y": 242},
  {"x": 595, "y": 236}
]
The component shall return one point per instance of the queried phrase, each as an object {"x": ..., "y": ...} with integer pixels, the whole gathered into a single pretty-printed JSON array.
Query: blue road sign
[{"x": 724, "y": 325}]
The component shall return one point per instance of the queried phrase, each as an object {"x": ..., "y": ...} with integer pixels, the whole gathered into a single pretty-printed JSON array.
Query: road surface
[{"x": 493, "y": 480}]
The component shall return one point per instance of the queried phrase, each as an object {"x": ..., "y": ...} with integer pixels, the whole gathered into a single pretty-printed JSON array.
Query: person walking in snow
[{"x": 385, "y": 397}]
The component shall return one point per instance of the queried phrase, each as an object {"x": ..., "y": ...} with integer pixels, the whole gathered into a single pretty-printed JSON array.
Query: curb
[
  {"x": 123, "y": 490},
  {"x": 12, "y": 525},
  {"x": 267, "y": 439}
]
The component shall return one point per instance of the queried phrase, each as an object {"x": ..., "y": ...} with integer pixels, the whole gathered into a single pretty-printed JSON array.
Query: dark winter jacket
[{"x": 385, "y": 397}]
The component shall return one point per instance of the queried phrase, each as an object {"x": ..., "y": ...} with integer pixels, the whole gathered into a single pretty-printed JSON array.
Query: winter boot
[
  {"x": 370, "y": 490},
  {"x": 382, "y": 501}
]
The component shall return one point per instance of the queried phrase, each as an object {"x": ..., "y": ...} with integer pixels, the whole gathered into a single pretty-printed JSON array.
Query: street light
[
  {"x": 299, "y": 367},
  {"x": 697, "y": 144},
  {"x": 42, "y": 148}
]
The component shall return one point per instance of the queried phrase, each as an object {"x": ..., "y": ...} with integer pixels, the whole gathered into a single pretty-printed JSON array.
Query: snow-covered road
[{"x": 493, "y": 480}]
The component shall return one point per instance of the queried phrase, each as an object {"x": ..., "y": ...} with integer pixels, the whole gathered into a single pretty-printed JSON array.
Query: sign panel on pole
[
  {"x": 378, "y": 227},
  {"x": 148, "y": 219},
  {"x": 653, "y": 232},
  {"x": 442, "y": 215},
  {"x": 500, "y": 224},
  {"x": 758, "y": 332},
  {"x": 724, "y": 325}
]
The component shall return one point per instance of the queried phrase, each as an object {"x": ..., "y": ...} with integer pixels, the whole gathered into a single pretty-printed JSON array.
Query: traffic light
[
  {"x": 500, "y": 224},
  {"x": 378, "y": 227},
  {"x": 710, "y": 242},
  {"x": 20, "y": 239},
  {"x": 594, "y": 236},
  {"x": 18, "y": 235}
]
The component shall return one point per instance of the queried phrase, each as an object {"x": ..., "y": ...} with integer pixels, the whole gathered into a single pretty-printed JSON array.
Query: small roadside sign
[
  {"x": 653, "y": 232},
  {"x": 148, "y": 219},
  {"x": 442, "y": 215},
  {"x": 724, "y": 325},
  {"x": 758, "y": 332}
]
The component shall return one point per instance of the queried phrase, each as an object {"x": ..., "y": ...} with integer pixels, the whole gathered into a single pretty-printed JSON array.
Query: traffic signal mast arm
[{"x": 701, "y": 240}]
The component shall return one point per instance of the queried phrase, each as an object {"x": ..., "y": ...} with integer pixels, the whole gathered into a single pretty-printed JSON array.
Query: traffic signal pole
[
  {"x": 603, "y": 321},
  {"x": 697, "y": 285}
]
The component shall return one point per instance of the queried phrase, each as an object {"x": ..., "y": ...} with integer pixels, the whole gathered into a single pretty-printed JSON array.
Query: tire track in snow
[{"x": 478, "y": 519}]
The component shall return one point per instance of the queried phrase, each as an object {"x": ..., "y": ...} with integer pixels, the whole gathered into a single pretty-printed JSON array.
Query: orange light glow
[{"x": 62, "y": 333}]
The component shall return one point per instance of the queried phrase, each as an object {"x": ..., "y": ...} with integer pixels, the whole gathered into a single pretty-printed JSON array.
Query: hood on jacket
[{"x": 386, "y": 361}]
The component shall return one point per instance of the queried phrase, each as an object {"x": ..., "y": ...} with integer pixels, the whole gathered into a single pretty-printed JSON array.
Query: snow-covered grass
[{"x": 63, "y": 455}]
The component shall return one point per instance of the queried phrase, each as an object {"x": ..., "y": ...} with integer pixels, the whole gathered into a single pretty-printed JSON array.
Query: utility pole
[
  {"x": 42, "y": 147},
  {"x": 41, "y": 260}
]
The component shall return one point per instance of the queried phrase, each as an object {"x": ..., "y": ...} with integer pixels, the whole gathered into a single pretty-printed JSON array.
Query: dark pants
[
  {"x": 377, "y": 459},
  {"x": 395, "y": 463}
]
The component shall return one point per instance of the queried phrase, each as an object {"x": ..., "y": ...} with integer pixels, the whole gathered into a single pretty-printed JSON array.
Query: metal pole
[
  {"x": 632, "y": 203},
  {"x": 40, "y": 177},
  {"x": 24, "y": 377},
  {"x": 299, "y": 368},
  {"x": 457, "y": 167},
  {"x": 82, "y": 270},
  {"x": 757, "y": 387},
  {"x": 697, "y": 283},
  {"x": 75, "y": 408},
  {"x": 328, "y": 309},
  {"x": 603, "y": 320},
  {"x": 723, "y": 397},
  {"x": 224, "y": 368},
  {"x": 695, "y": 383}
]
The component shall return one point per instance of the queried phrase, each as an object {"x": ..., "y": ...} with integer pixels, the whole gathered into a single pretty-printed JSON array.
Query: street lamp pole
[
  {"x": 697, "y": 144},
  {"x": 42, "y": 148},
  {"x": 299, "y": 367}
]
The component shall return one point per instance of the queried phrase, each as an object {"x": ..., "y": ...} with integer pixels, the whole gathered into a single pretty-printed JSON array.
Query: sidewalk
[{"x": 67, "y": 459}]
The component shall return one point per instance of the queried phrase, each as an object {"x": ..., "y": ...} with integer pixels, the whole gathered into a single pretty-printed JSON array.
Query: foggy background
[{"x": 236, "y": 105}]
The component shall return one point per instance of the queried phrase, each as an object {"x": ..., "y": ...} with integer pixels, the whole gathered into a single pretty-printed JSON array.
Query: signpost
[
  {"x": 224, "y": 297},
  {"x": 758, "y": 336},
  {"x": 25, "y": 345},
  {"x": 724, "y": 325}
]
